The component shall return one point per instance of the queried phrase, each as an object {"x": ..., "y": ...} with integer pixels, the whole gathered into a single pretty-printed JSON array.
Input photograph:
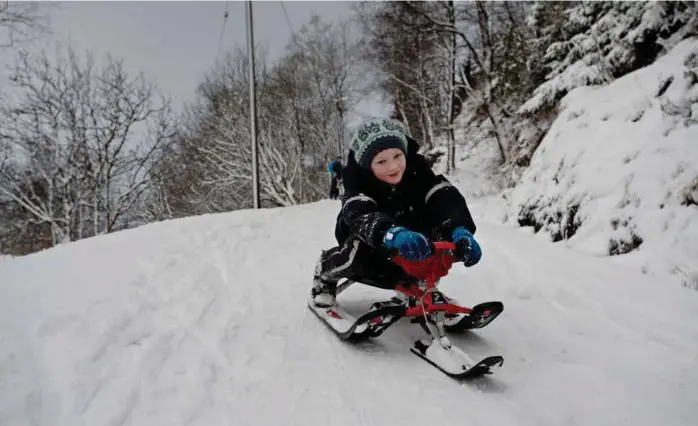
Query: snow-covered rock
[{"x": 618, "y": 170}]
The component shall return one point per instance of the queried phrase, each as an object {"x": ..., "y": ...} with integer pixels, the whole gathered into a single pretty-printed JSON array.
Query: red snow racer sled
[{"x": 425, "y": 305}]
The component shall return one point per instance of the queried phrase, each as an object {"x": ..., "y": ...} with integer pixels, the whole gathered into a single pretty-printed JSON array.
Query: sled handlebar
[
  {"x": 437, "y": 248},
  {"x": 434, "y": 246},
  {"x": 442, "y": 246},
  {"x": 435, "y": 266}
]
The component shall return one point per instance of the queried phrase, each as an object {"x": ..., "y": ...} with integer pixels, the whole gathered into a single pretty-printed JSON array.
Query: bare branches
[
  {"x": 489, "y": 44},
  {"x": 83, "y": 140},
  {"x": 410, "y": 66},
  {"x": 20, "y": 21},
  {"x": 302, "y": 104}
]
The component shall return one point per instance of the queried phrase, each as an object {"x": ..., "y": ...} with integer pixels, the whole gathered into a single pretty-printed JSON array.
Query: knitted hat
[{"x": 373, "y": 136}]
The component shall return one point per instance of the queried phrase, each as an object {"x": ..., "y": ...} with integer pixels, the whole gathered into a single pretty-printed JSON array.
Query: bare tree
[
  {"x": 497, "y": 43},
  {"x": 219, "y": 134},
  {"x": 302, "y": 106},
  {"x": 405, "y": 57},
  {"x": 20, "y": 21},
  {"x": 83, "y": 139}
]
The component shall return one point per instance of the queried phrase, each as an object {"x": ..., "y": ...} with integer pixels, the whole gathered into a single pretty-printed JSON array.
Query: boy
[{"x": 392, "y": 201}]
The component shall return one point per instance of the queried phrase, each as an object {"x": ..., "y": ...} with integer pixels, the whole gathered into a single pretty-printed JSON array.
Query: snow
[
  {"x": 626, "y": 155},
  {"x": 204, "y": 321}
]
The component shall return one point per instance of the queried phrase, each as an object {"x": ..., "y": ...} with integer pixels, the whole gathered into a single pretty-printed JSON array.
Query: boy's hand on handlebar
[
  {"x": 467, "y": 249},
  {"x": 411, "y": 245}
]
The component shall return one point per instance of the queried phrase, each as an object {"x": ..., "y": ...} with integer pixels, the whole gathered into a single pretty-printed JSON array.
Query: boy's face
[{"x": 389, "y": 165}]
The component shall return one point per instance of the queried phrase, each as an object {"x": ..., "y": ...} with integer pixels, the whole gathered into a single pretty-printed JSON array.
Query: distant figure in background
[{"x": 335, "y": 168}]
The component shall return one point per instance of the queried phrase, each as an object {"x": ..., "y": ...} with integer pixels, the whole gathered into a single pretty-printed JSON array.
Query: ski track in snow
[{"x": 203, "y": 321}]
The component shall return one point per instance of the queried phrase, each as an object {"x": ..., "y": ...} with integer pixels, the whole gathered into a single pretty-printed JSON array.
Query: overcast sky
[{"x": 175, "y": 43}]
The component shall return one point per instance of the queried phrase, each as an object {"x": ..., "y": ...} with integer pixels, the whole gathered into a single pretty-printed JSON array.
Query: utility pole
[{"x": 253, "y": 105}]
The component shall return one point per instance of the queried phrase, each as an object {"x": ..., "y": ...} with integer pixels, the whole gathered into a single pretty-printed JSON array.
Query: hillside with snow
[
  {"x": 203, "y": 321},
  {"x": 616, "y": 174}
]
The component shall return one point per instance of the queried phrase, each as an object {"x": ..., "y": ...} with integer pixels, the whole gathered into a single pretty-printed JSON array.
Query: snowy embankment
[
  {"x": 203, "y": 321},
  {"x": 618, "y": 171}
]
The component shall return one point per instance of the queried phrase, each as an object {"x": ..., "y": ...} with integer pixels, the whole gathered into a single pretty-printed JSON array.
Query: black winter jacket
[{"x": 422, "y": 202}]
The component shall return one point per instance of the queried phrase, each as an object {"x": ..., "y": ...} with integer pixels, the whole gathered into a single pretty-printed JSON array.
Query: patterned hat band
[{"x": 375, "y": 135}]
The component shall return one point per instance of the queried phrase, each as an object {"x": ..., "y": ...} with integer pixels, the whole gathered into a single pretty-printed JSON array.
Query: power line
[
  {"x": 290, "y": 25},
  {"x": 220, "y": 38}
]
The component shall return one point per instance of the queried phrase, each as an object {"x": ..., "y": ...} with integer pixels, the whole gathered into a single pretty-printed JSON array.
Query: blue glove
[
  {"x": 411, "y": 245},
  {"x": 467, "y": 249}
]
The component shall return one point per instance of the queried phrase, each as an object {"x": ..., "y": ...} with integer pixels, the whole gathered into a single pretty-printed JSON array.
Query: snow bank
[{"x": 618, "y": 171}]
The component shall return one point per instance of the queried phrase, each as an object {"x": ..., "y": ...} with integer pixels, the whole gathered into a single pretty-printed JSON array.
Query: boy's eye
[{"x": 396, "y": 156}]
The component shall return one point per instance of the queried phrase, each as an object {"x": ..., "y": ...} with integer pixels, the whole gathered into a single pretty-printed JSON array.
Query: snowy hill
[
  {"x": 617, "y": 172},
  {"x": 202, "y": 321}
]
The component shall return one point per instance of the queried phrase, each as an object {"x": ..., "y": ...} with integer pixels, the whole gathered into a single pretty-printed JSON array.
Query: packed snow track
[{"x": 203, "y": 321}]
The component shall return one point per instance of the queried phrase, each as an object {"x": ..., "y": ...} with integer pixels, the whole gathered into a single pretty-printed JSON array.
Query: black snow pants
[
  {"x": 358, "y": 261},
  {"x": 334, "y": 188}
]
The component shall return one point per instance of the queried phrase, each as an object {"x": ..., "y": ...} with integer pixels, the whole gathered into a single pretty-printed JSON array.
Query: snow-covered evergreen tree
[
  {"x": 546, "y": 21},
  {"x": 601, "y": 41}
]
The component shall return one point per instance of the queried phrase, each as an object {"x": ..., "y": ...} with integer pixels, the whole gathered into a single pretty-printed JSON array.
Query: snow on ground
[
  {"x": 203, "y": 321},
  {"x": 618, "y": 170}
]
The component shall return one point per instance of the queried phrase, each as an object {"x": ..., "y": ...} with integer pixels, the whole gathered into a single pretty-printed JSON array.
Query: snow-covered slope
[
  {"x": 203, "y": 321},
  {"x": 618, "y": 170}
]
